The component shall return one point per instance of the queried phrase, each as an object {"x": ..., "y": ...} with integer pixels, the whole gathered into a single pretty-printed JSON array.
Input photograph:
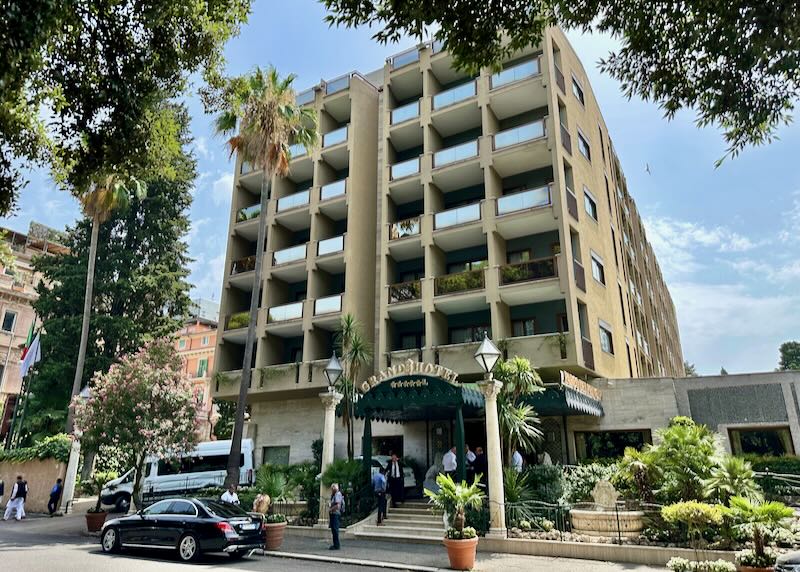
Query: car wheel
[
  {"x": 188, "y": 548},
  {"x": 123, "y": 504},
  {"x": 110, "y": 540}
]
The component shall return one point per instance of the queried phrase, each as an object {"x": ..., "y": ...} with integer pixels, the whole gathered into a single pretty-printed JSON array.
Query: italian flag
[{"x": 28, "y": 342}]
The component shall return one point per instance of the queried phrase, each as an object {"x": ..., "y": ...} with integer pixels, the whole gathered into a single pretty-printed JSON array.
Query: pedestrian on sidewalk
[
  {"x": 16, "y": 500},
  {"x": 450, "y": 463},
  {"x": 379, "y": 486},
  {"x": 396, "y": 480},
  {"x": 55, "y": 496},
  {"x": 335, "y": 508}
]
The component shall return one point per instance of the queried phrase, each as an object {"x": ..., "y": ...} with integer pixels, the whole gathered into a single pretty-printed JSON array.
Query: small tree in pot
[
  {"x": 453, "y": 499},
  {"x": 756, "y": 519},
  {"x": 96, "y": 516}
]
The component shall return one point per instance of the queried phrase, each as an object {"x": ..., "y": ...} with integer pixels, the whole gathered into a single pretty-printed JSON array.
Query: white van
[{"x": 203, "y": 467}]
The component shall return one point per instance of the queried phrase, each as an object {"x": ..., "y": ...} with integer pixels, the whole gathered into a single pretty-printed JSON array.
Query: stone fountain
[{"x": 604, "y": 519}]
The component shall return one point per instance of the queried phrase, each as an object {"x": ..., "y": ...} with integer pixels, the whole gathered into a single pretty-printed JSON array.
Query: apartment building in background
[
  {"x": 195, "y": 342},
  {"x": 439, "y": 207}
]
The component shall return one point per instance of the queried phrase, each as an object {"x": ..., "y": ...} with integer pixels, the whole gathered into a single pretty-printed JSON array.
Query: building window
[
  {"x": 606, "y": 338},
  {"x": 518, "y": 256},
  {"x": 181, "y": 344},
  {"x": 590, "y": 203},
  {"x": 466, "y": 266},
  {"x": 411, "y": 341},
  {"x": 204, "y": 341},
  {"x": 202, "y": 367},
  {"x": 609, "y": 444},
  {"x": 525, "y": 327},
  {"x": 577, "y": 90},
  {"x": 563, "y": 323},
  {"x": 598, "y": 270},
  {"x": 469, "y": 334},
  {"x": 297, "y": 355},
  {"x": 275, "y": 455},
  {"x": 602, "y": 145},
  {"x": 768, "y": 441},
  {"x": 9, "y": 321},
  {"x": 622, "y": 305},
  {"x": 583, "y": 146}
]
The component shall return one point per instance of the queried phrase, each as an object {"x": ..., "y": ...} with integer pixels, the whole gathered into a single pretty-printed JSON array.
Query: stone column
[
  {"x": 497, "y": 501},
  {"x": 70, "y": 478},
  {"x": 330, "y": 399}
]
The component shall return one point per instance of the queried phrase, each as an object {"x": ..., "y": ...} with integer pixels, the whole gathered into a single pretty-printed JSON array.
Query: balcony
[
  {"x": 404, "y": 228},
  {"x": 304, "y": 97},
  {"x": 459, "y": 282},
  {"x": 588, "y": 353},
  {"x": 516, "y": 73},
  {"x": 337, "y": 85},
  {"x": 328, "y": 305},
  {"x": 293, "y": 201},
  {"x": 330, "y": 245},
  {"x": 242, "y": 265},
  {"x": 333, "y": 190},
  {"x": 454, "y": 95},
  {"x": 521, "y": 134},
  {"x": 459, "y": 357},
  {"x": 572, "y": 204},
  {"x": 248, "y": 213},
  {"x": 291, "y": 254},
  {"x": 455, "y": 154},
  {"x": 566, "y": 139},
  {"x": 538, "y": 269},
  {"x": 580, "y": 276},
  {"x": 405, "y": 169},
  {"x": 520, "y": 201},
  {"x": 404, "y": 58},
  {"x": 457, "y": 216},
  {"x": 334, "y": 137},
  {"x": 285, "y": 313},
  {"x": 405, "y": 113},
  {"x": 237, "y": 321},
  {"x": 405, "y": 291}
]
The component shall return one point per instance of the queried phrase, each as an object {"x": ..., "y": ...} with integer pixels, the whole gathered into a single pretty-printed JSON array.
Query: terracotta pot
[
  {"x": 461, "y": 553},
  {"x": 95, "y": 520},
  {"x": 273, "y": 535}
]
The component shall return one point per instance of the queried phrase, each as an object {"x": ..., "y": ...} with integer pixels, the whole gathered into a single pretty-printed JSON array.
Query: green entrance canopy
[{"x": 559, "y": 400}]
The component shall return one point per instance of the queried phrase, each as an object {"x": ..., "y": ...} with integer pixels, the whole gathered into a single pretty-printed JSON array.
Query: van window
[{"x": 195, "y": 464}]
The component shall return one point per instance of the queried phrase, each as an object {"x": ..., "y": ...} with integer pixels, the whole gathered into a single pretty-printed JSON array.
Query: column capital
[
  {"x": 490, "y": 388},
  {"x": 330, "y": 399}
]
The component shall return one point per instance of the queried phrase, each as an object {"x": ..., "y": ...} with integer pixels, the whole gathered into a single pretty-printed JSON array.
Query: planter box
[
  {"x": 461, "y": 553},
  {"x": 95, "y": 520},
  {"x": 273, "y": 535}
]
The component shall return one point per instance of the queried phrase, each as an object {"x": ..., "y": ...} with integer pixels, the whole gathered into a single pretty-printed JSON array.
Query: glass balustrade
[
  {"x": 297, "y": 150},
  {"x": 408, "y": 227},
  {"x": 284, "y": 313},
  {"x": 405, "y": 112},
  {"x": 459, "y": 282},
  {"x": 337, "y": 85},
  {"x": 527, "y": 132},
  {"x": 333, "y": 190},
  {"x": 527, "y": 271},
  {"x": 248, "y": 213},
  {"x": 405, "y": 291},
  {"x": 515, "y": 73},
  {"x": 246, "y": 264},
  {"x": 405, "y": 168},
  {"x": 291, "y": 254},
  {"x": 529, "y": 199},
  {"x": 454, "y": 95},
  {"x": 455, "y": 153},
  {"x": 328, "y": 305},
  {"x": 405, "y": 58},
  {"x": 305, "y": 97},
  {"x": 293, "y": 201},
  {"x": 330, "y": 245},
  {"x": 238, "y": 320},
  {"x": 335, "y": 137},
  {"x": 461, "y": 215},
  {"x": 437, "y": 46}
]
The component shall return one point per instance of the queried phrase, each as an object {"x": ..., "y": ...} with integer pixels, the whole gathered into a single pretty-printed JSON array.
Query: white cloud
[
  {"x": 791, "y": 221},
  {"x": 195, "y": 227},
  {"x": 201, "y": 146},
  {"x": 221, "y": 189}
]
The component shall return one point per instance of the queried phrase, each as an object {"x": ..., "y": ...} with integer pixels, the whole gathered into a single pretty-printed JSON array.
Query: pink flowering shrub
[{"x": 143, "y": 405}]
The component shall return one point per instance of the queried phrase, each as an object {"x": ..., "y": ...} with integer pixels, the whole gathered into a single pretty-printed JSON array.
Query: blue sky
[{"x": 726, "y": 238}]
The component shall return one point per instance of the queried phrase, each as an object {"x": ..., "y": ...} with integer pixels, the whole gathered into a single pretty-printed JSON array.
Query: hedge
[{"x": 56, "y": 447}]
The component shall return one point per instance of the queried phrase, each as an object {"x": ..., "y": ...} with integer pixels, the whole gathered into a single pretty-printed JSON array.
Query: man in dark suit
[
  {"x": 394, "y": 475},
  {"x": 481, "y": 467}
]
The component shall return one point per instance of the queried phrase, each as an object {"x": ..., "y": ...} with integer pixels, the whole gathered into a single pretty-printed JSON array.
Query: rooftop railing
[
  {"x": 338, "y": 84},
  {"x": 404, "y": 58},
  {"x": 304, "y": 97}
]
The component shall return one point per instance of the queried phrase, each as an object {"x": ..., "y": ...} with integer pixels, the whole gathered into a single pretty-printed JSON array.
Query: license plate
[{"x": 249, "y": 526}]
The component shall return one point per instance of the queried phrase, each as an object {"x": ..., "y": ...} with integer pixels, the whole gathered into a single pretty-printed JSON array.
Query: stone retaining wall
[{"x": 41, "y": 476}]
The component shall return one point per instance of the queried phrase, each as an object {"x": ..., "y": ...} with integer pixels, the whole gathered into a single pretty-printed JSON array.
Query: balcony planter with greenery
[
  {"x": 469, "y": 280},
  {"x": 96, "y": 516},
  {"x": 239, "y": 320},
  {"x": 453, "y": 499}
]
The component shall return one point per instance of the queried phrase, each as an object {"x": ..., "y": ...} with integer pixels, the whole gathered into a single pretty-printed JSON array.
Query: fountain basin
[{"x": 625, "y": 523}]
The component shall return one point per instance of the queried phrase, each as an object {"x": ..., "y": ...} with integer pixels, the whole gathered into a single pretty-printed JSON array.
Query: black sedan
[{"x": 189, "y": 526}]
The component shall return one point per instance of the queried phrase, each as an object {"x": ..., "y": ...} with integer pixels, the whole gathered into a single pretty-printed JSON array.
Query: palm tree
[
  {"x": 356, "y": 353},
  {"x": 262, "y": 107},
  {"x": 108, "y": 194},
  {"x": 732, "y": 477},
  {"x": 518, "y": 420},
  {"x": 758, "y": 517}
]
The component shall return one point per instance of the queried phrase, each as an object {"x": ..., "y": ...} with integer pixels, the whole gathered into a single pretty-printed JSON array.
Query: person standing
[
  {"x": 516, "y": 460},
  {"x": 230, "y": 495},
  {"x": 469, "y": 455},
  {"x": 16, "y": 500},
  {"x": 394, "y": 475},
  {"x": 481, "y": 466},
  {"x": 379, "y": 486},
  {"x": 55, "y": 495},
  {"x": 2, "y": 491},
  {"x": 450, "y": 463},
  {"x": 335, "y": 515}
]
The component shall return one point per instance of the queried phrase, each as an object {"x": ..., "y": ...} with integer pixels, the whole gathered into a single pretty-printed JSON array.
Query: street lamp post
[
  {"x": 487, "y": 356},
  {"x": 71, "y": 477},
  {"x": 330, "y": 399}
]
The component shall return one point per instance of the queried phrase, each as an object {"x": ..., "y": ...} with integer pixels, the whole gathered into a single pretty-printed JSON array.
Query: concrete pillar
[
  {"x": 461, "y": 468},
  {"x": 497, "y": 498},
  {"x": 72, "y": 473},
  {"x": 330, "y": 399}
]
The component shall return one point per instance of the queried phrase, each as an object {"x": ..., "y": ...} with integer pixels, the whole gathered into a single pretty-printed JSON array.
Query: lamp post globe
[
  {"x": 487, "y": 354},
  {"x": 333, "y": 371}
]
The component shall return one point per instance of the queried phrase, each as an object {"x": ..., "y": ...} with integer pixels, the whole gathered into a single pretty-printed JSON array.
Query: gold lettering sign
[{"x": 409, "y": 368}]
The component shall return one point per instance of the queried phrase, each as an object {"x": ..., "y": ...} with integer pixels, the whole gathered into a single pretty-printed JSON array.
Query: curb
[{"x": 353, "y": 561}]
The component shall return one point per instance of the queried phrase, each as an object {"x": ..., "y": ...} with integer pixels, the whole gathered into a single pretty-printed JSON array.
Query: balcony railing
[
  {"x": 405, "y": 291},
  {"x": 580, "y": 276},
  {"x": 572, "y": 204},
  {"x": 405, "y": 168},
  {"x": 455, "y": 94},
  {"x": 405, "y": 58},
  {"x": 455, "y": 153},
  {"x": 566, "y": 139},
  {"x": 333, "y": 190},
  {"x": 437, "y": 46},
  {"x": 337, "y": 84},
  {"x": 530, "y": 199},
  {"x": 237, "y": 320},
  {"x": 293, "y": 201},
  {"x": 539, "y": 269},
  {"x": 287, "y": 255},
  {"x": 248, "y": 213},
  {"x": 285, "y": 312},
  {"x": 527, "y": 132},
  {"x": 328, "y": 305},
  {"x": 246, "y": 264},
  {"x": 335, "y": 137},
  {"x": 304, "y": 97},
  {"x": 408, "y": 227},
  {"x": 453, "y": 217},
  {"x": 560, "y": 80},
  {"x": 330, "y": 245},
  {"x": 516, "y": 73},
  {"x": 588, "y": 353},
  {"x": 405, "y": 112},
  {"x": 246, "y": 168},
  {"x": 459, "y": 282},
  {"x": 297, "y": 150}
]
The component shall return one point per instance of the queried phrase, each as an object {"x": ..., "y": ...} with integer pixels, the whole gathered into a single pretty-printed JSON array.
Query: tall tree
[
  {"x": 97, "y": 67},
  {"x": 260, "y": 115},
  {"x": 356, "y": 354},
  {"x": 790, "y": 356},
  {"x": 735, "y": 62}
]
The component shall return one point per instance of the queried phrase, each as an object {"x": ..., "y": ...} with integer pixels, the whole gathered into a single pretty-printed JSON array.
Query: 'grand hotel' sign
[{"x": 407, "y": 371}]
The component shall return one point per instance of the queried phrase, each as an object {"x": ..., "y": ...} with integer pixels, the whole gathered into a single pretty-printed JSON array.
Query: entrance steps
[{"x": 412, "y": 521}]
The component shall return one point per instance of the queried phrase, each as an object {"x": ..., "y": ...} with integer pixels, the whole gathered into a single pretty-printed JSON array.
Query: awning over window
[{"x": 570, "y": 396}]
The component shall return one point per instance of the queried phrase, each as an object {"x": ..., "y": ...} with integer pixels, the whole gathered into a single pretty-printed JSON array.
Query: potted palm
[
  {"x": 453, "y": 499},
  {"x": 757, "y": 519},
  {"x": 272, "y": 486},
  {"x": 96, "y": 516}
]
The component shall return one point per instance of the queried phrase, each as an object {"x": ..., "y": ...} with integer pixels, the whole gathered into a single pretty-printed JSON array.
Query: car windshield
[{"x": 223, "y": 509}]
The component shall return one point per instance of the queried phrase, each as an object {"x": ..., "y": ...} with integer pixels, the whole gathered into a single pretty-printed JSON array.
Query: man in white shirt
[
  {"x": 230, "y": 495},
  {"x": 16, "y": 500},
  {"x": 450, "y": 463},
  {"x": 516, "y": 461}
]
